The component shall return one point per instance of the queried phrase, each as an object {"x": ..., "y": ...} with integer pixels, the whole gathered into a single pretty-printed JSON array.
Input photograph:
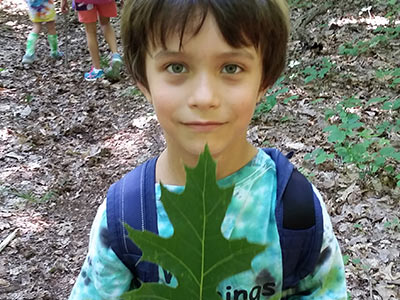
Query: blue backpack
[{"x": 298, "y": 214}]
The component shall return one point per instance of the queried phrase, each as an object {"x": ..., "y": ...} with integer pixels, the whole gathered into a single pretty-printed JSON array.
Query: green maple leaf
[{"x": 197, "y": 254}]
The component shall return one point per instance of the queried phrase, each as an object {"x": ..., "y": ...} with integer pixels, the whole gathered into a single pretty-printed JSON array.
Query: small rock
[{"x": 4, "y": 283}]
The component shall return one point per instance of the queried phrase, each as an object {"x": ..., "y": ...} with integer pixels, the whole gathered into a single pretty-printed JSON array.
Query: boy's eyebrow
[
  {"x": 241, "y": 53},
  {"x": 166, "y": 53}
]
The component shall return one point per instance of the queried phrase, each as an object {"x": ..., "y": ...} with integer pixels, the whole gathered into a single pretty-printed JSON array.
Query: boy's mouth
[{"x": 203, "y": 126}]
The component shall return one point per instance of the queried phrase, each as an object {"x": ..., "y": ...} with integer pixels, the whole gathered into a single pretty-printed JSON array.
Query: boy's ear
[{"x": 144, "y": 91}]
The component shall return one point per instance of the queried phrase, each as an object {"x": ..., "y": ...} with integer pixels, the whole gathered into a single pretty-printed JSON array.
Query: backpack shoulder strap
[
  {"x": 299, "y": 220},
  {"x": 131, "y": 200}
]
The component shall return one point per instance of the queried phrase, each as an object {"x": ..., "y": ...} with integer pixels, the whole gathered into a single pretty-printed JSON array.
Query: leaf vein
[{"x": 186, "y": 267}]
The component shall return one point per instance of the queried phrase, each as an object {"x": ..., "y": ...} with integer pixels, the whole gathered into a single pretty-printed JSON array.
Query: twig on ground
[
  {"x": 371, "y": 292},
  {"x": 66, "y": 29},
  {"x": 8, "y": 239}
]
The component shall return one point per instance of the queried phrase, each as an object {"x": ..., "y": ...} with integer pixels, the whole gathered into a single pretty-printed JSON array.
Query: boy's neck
[{"x": 170, "y": 169}]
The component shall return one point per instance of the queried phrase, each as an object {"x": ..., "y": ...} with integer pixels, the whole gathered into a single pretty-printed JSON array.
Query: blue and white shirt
[{"x": 250, "y": 215}]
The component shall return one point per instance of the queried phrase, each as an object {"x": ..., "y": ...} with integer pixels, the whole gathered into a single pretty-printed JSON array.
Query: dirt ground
[{"x": 63, "y": 141}]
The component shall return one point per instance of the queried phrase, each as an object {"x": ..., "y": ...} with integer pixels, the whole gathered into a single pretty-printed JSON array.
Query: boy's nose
[{"x": 204, "y": 94}]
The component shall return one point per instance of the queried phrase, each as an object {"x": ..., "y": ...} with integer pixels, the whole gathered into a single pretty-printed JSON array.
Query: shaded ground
[{"x": 63, "y": 141}]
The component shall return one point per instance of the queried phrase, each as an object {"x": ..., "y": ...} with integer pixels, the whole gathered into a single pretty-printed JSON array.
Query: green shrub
[
  {"x": 271, "y": 98},
  {"x": 391, "y": 76},
  {"x": 318, "y": 71},
  {"x": 356, "y": 48},
  {"x": 354, "y": 143}
]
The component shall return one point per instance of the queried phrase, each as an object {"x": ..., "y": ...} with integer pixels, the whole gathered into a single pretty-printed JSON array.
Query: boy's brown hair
[{"x": 263, "y": 24}]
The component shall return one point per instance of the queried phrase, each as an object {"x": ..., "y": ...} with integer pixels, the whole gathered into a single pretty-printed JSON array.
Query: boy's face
[{"x": 204, "y": 92}]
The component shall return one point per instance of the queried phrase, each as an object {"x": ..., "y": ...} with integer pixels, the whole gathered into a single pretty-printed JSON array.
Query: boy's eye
[
  {"x": 231, "y": 69},
  {"x": 176, "y": 68}
]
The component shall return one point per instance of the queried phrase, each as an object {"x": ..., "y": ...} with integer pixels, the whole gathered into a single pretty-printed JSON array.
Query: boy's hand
[{"x": 64, "y": 6}]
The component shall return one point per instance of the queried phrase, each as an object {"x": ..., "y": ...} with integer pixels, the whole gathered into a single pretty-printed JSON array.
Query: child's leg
[
  {"x": 91, "y": 37},
  {"x": 51, "y": 27},
  {"x": 109, "y": 33},
  {"x": 113, "y": 72},
  {"x": 89, "y": 18},
  {"x": 37, "y": 26},
  {"x": 53, "y": 41},
  {"x": 33, "y": 36},
  {"x": 107, "y": 11}
]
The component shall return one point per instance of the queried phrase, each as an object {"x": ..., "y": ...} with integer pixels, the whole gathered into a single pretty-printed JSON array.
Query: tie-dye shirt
[
  {"x": 251, "y": 215},
  {"x": 41, "y": 10}
]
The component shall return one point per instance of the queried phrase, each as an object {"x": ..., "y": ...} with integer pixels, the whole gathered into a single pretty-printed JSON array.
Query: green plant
[
  {"x": 360, "y": 47},
  {"x": 307, "y": 173},
  {"x": 318, "y": 100},
  {"x": 285, "y": 119},
  {"x": 31, "y": 197},
  {"x": 104, "y": 62},
  {"x": 48, "y": 196},
  {"x": 354, "y": 143},
  {"x": 319, "y": 156},
  {"x": 132, "y": 92},
  {"x": 349, "y": 48},
  {"x": 267, "y": 143},
  {"x": 290, "y": 98},
  {"x": 392, "y": 8},
  {"x": 393, "y": 224},
  {"x": 357, "y": 263},
  {"x": 391, "y": 76},
  {"x": 271, "y": 98},
  {"x": 376, "y": 100},
  {"x": 28, "y": 98},
  {"x": 26, "y": 195},
  {"x": 346, "y": 259},
  {"x": 390, "y": 33},
  {"x": 318, "y": 71},
  {"x": 391, "y": 105},
  {"x": 356, "y": 48},
  {"x": 386, "y": 126}
]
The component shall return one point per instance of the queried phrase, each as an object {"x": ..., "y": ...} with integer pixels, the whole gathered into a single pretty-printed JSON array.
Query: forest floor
[{"x": 63, "y": 141}]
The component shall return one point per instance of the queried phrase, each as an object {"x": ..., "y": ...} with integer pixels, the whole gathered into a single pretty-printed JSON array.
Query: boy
[
  {"x": 88, "y": 13},
  {"x": 41, "y": 11},
  {"x": 204, "y": 64}
]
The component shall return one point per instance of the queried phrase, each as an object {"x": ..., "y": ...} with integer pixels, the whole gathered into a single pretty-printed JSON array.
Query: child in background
[
  {"x": 89, "y": 11},
  {"x": 204, "y": 65},
  {"x": 41, "y": 11}
]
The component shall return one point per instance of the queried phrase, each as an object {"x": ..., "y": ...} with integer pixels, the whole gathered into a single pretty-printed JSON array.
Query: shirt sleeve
[
  {"x": 103, "y": 275},
  {"x": 328, "y": 281}
]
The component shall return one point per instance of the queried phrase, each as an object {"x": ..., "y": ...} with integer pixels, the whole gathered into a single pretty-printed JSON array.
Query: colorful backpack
[{"x": 298, "y": 214}]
